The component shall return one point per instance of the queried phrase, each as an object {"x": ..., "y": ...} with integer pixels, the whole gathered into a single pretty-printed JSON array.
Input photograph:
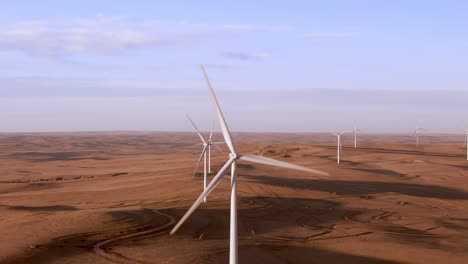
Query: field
[{"x": 113, "y": 197}]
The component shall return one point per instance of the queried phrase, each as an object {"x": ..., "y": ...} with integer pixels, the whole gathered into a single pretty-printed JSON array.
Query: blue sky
[{"x": 298, "y": 66}]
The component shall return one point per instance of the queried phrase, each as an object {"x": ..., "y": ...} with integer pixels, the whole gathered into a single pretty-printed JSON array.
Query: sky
[{"x": 276, "y": 66}]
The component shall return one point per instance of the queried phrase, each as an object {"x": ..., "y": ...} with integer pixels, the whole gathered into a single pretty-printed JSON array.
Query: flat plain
[{"x": 113, "y": 197}]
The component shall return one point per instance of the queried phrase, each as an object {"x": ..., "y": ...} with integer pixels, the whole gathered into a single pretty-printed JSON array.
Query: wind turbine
[
  {"x": 207, "y": 143},
  {"x": 355, "y": 131},
  {"x": 338, "y": 145},
  {"x": 416, "y": 132},
  {"x": 232, "y": 163},
  {"x": 466, "y": 143}
]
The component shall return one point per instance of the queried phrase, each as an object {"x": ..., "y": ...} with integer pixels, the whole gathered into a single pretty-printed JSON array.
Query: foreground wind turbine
[
  {"x": 338, "y": 145},
  {"x": 232, "y": 162},
  {"x": 416, "y": 132},
  {"x": 206, "y": 150},
  {"x": 355, "y": 131}
]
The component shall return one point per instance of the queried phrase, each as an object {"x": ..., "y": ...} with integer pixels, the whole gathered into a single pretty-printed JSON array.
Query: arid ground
[{"x": 113, "y": 197}]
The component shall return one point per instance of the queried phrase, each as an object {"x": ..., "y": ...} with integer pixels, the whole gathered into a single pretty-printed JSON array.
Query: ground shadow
[
  {"x": 362, "y": 187},
  {"x": 381, "y": 171},
  {"x": 283, "y": 254},
  {"x": 57, "y": 156},
  {"x": 401, "y": 151},
  {"x": 50, "y": 208}
]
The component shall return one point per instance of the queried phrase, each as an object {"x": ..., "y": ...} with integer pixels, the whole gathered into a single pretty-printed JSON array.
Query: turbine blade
[
  {"x": 196, "y": 145},
  {"x": 212, "y": 129},
  {"x": 218, "y": 148},
  {"x": 196, "y": 128},
  {"x": 222, "y": 121},
  {"x": 277, "y": 163},
  {"x": 218, "y": 143},
  {"x": 208, "y": 190},
  {"x": 199, "y": 160}
]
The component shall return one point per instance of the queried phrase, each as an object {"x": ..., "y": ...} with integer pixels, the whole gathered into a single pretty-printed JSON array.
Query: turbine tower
[
  {"x": 355, "y": 131},
  {"x": 232, "y": 163},
  {"x": 338, "y": 145},
  {"x": 416, "y": 132},
  {"x": 207, "y": 143}
]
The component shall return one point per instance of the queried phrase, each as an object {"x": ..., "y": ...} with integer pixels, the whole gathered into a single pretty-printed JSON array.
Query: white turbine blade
[
  {"x": 196, "y": 145},
  {"x": 211, "y": 134},
  {"x": 222, "y": 121},
  {"x": 199, "y": 160},
  {"x": 342, "y": 132},
  {"x": 209, "y": 188},
  {"x": 218, "y": 148},
  {"x": 218, "y": 143},
  {"x": 196, "y": 128},
  {"x": 277, "y": 163}
]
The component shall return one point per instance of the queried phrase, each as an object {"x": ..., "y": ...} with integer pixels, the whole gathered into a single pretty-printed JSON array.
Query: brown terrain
[{"x": 113, "y": 197}]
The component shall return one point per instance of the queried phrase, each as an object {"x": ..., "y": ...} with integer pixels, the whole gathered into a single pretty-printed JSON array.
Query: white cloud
[
  {"x": 256, "y": 27},
  {"x": 108, "y": 35},
  {"x": 322, "y": 35},
  {"x": 152, "y": 67},
  {"x": 227, "y": 65},
  {"x": 98, "y": 37},
  {"x": 246, "y": 56}
]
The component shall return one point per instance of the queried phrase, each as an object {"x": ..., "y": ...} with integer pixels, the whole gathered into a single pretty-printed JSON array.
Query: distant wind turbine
[
  {"x": 466, "y": 143},
  {"x": 207, "y": 143},
  {"x": 416, "y": 132},
  {"x": 338, "y": 145},
  {"x": 232, "y": 163},
  {"x": 355, "y": 131}
]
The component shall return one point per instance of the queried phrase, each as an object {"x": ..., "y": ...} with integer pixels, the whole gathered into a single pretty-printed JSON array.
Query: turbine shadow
[{"x": 282, "y": 254}]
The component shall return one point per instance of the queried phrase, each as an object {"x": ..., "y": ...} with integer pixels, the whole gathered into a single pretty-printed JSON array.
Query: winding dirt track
[
  {"x": 111, "y": 198},
  {"x": 99, "y": 248}
]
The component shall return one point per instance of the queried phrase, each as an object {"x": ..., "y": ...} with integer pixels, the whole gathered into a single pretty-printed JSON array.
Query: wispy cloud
[
  {"x": 104, "y": 36},
  {"x": 324, "y": 35},
  {"x": 227, "y": 65},
  {"x": 152, "y": 68},
  {"x": 42, "y": 86},
  {"x": 246, "y": 56},
  {"x": 60, "y": 38},
  {"x": 256, "y": 27}
]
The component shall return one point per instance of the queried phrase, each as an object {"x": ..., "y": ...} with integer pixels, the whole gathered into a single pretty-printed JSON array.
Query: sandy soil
[{"x": 112, "y": 198}]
